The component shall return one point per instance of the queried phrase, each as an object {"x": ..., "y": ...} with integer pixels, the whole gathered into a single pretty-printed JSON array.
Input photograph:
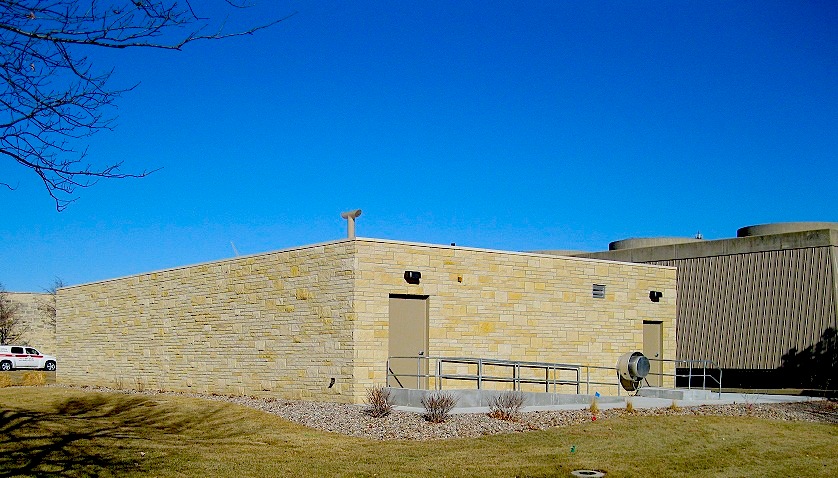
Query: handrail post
[
  {"x": 515, "y": 377},
  {"x": 387, "y": 373},
  {"x": 479, "y": 373},
  {"x": 690, "y": 368},
  {"x": 438, "y": 374},
  {"x": 547, "y": 379},
  {"x": 418, "y": 372},
  {"x": 555, "y": 373},
  {"x": 704, "y": 376}
]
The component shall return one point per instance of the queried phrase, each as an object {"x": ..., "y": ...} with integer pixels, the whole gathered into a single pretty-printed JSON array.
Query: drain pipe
[{"x": 350, "y": 221}]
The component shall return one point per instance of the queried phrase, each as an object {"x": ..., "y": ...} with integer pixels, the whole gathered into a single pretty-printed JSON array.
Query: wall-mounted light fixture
[
  {"x": 412, "y": 277},
  {"x": 655, "y": 296}
]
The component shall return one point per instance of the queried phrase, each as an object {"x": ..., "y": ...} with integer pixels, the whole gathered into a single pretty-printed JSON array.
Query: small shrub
[
  {"x": 379, "y": 402},
  {"x": 5, "y": 380},
  {"x": 438, "y": 406},
  {"x": 594, "y": 408},
  {"x": 630, "y": 406},
  {"x": 140, "y": 385},
  {"x": 118, "y": 383},
  {"x": 506, "y": 406},
  {"x": 674, "y": 405}
]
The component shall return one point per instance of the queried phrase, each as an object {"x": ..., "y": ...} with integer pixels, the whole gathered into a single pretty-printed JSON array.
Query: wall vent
[{"x": 599, "y": 291}]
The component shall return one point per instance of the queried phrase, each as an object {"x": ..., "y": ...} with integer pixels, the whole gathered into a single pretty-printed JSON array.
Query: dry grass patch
[
  {"x": 33, "y": 379},
  {"x": 69, "y": 432},
  {"x": 26, "y": 378}
]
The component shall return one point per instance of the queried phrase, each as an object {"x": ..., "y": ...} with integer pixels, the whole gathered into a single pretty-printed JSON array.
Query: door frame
[
  {"x": 656, "y": 365},
  {"x": 410, "y": 371}
]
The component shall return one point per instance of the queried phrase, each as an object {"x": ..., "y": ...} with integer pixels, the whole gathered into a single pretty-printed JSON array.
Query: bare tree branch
[
  {"x": 12, "y": 327},
  {"x": 48, "y": 306},
  {"x": 50, "y": 96}
]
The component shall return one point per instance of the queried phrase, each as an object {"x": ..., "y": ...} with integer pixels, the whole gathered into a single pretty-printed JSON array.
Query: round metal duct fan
[{"x": 632, "y": 368}]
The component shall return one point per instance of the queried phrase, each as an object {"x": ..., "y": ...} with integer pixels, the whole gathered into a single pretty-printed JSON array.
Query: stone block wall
[
  {"x": 275, "y": 324},
  {"x": 38, "y": 329},
  {"x": 515, "y": 306},
  {"x": 286, "y": 323}
]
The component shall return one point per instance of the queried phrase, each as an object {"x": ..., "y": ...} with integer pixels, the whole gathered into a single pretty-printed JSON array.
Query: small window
[
  {"x": 599, "y": 291},
  {"x": 32, "y": 351},
  {"x": 17, "y": 350}
]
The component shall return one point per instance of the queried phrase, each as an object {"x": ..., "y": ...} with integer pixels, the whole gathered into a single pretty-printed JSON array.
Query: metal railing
[
  {"x": 550, "y": 375},
  {"x": 706, "y": 372},
  {"x": 516, "y": 378},
  {"x": 589, "y": 382},
  {"x": 482, "y": 370}
]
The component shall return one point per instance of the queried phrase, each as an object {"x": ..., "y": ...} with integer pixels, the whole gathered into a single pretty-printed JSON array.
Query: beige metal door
[
  {"x": 653, "y": 349},
  {"x": 408, "y": 338}
]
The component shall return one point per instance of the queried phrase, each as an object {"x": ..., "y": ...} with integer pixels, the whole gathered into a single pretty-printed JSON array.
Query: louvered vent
[{"x": 599, "y": 291}]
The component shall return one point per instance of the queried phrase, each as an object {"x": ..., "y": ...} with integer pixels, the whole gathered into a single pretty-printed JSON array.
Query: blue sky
[{"x": 510, "y": 125}]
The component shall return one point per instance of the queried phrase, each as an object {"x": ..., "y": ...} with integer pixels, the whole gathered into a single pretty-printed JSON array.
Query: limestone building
[
  {"x": 35, "y": 323},
  {"x": 320, "y": 321}
]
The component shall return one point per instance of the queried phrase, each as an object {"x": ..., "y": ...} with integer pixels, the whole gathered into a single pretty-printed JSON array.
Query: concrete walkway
[{"x": 654, "y": 398}]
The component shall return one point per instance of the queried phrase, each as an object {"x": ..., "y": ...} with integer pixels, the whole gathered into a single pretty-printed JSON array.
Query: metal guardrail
[
  {"x": 701, "y": 370},
  {"x": 485, "y": 371},
  {"x": 589, "y": 382},
  {"x": 551, "y": 372}
]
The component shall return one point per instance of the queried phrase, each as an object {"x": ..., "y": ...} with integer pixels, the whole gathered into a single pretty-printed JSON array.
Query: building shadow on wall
[
  {"x": 816, "y": 366},
  {"x": 87, "y": 436}
]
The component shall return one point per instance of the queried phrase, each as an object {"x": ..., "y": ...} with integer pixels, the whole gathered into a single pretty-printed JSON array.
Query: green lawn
[{"x": 71, "y": 432}]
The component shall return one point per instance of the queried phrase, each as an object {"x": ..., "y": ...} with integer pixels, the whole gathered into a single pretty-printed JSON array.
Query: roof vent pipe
[{"x": 350, "y": 221}]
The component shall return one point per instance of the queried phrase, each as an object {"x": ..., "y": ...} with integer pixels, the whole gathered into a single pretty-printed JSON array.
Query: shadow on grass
[{"x": 93, "y": 435}]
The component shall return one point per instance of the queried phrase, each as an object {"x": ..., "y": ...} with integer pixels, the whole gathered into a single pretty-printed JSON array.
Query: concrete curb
[{"x": 477, "y": 401}]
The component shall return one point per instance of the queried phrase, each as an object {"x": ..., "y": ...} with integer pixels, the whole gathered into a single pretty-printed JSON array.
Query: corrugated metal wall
[{"x": 746, "y": 311}]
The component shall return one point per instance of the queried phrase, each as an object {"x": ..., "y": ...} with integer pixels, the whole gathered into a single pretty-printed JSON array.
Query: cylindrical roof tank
[
  {"x": 783, "y": 228},
  {"x": 637, "y": 242},
  {"x": 558, "y": 252}
]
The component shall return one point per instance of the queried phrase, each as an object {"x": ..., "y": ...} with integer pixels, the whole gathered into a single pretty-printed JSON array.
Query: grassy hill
[{"x": 51, "y": 431}]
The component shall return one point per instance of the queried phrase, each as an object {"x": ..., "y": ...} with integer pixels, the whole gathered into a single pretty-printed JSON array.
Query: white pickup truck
[{"x": 20, "y": 356}]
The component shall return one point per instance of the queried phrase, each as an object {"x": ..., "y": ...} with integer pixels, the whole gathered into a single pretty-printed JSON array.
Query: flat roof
[{"x": 365, "y": 240}]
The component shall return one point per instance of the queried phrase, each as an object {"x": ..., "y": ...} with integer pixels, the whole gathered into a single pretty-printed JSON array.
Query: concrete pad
[
  {"x": 471, "y": 398},
  {"x": 677, "y": 393},
  {"x": 477, "y": 401}
]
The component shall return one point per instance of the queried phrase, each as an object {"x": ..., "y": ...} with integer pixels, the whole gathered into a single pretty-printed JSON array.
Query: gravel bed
[{"x": 352, "y": 420}]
